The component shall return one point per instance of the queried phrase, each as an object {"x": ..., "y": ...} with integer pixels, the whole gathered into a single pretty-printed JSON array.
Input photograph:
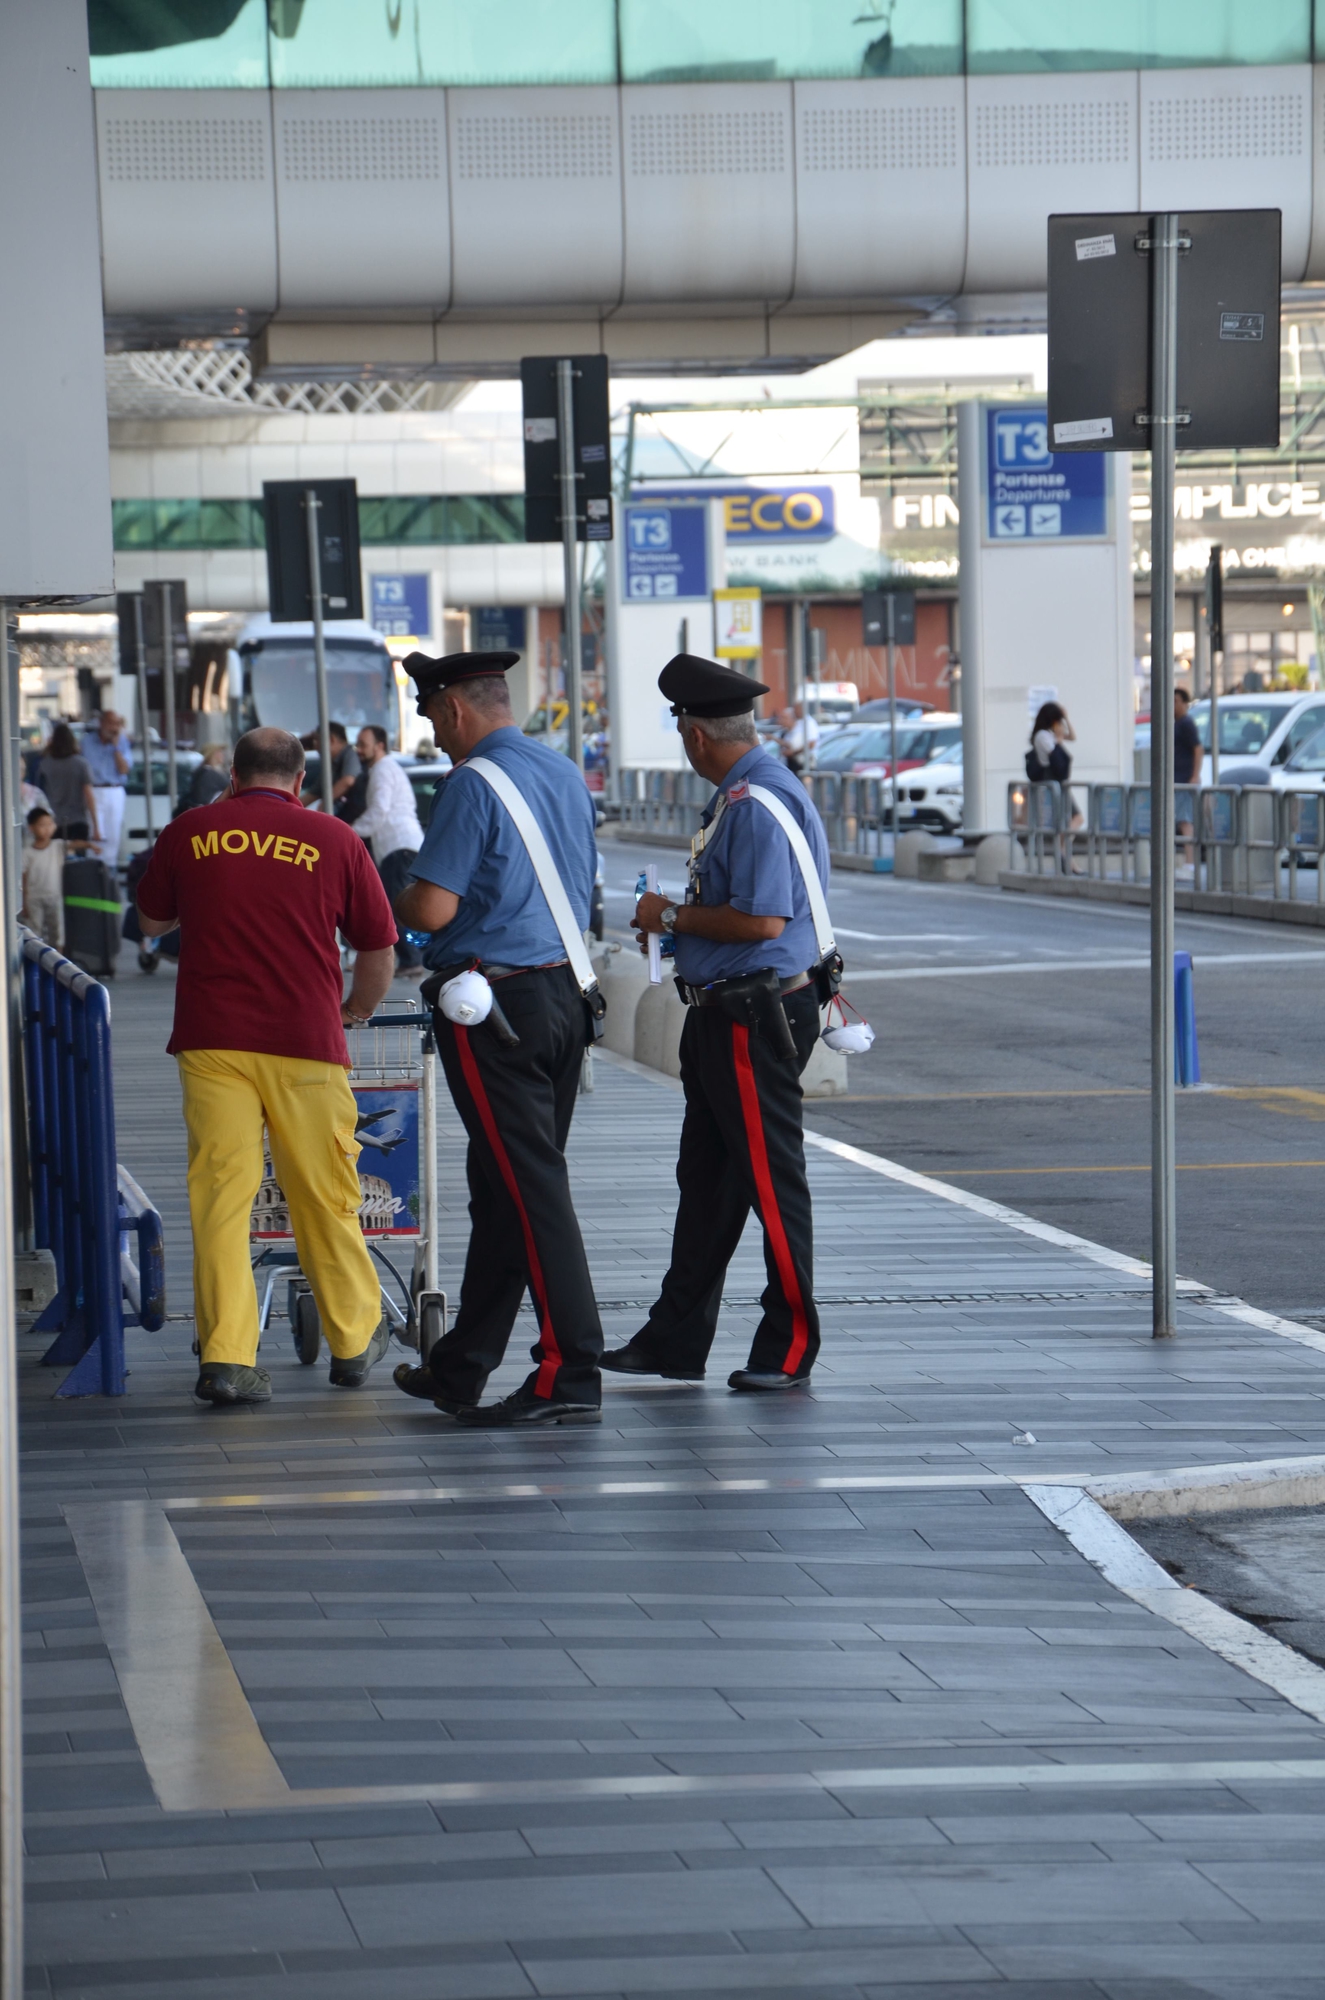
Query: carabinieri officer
[
  {"x": 746, "y": 954},
  {"x": 515, "y": 1075}
]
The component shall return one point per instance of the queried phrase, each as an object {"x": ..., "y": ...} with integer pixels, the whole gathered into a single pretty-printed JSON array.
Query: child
[{"x": 43, "y": 876}]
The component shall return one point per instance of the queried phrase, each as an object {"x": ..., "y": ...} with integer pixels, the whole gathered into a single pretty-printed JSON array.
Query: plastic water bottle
[
  {"x": 419, "y": 938},
  {"x": 667, "y": 944}
]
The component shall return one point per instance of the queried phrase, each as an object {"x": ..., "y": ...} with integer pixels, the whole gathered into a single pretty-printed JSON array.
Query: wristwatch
[{"x": 667, "y": 918}]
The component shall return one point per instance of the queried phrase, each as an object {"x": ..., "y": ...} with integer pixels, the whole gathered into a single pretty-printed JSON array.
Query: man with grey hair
[
  {"x": 513, "y": 1075},
  {"x": 747, "y": 962}
]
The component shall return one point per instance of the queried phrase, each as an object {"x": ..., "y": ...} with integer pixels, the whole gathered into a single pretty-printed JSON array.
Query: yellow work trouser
[{"x": 309, "y": 1111}]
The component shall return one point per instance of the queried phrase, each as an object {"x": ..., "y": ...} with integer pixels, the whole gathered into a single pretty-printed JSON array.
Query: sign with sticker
[{"x": 1034, "y": 494}]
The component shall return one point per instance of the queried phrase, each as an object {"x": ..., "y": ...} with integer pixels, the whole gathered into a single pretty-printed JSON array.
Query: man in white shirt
[
  {"x": 389, "y": 823},
  {"x": 799, "y": 736}
]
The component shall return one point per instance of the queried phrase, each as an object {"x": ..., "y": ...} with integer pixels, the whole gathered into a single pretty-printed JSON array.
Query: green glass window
[
  {"x": 1025, "y": 35},
  {"x": 404, "y": 520},
  {"x": 179, "y": 44},
  {"x": 326, "y": 44},
  {"x": 685, "y": 41}
]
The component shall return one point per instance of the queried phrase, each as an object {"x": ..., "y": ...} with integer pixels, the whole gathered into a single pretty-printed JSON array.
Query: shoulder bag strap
[
  {"x": 544, "y": 866},
  {"x": 800, "y": 847}
]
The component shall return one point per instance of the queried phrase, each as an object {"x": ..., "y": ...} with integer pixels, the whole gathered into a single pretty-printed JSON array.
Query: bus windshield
[{"x": 360, "y": 687}]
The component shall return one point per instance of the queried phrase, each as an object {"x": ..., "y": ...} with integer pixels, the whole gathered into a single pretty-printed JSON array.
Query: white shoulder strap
[
  {"x": 545, "y": 868},
  {"x": 800, "y": 847}
]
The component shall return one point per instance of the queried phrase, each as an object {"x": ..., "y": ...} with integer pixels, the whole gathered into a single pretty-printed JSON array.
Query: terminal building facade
[{"x": 406, "y": 197}]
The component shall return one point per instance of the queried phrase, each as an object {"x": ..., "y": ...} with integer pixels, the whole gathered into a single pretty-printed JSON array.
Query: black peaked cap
[
  {"x": 702, "y": 687},
  {"x": 432, "y": 677}
]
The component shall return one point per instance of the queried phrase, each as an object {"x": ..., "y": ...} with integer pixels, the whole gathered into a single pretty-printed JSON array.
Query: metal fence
[
  {"x": 87, "y": 1210},
  {"x": 1247, "y": 840},
  {"x": 855, "y": 811}
]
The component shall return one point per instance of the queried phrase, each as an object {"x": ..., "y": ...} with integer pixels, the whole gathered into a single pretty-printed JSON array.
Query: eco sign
[
  {"x": 760, "y": 514},
  {"x": 1035, "y": 494}
]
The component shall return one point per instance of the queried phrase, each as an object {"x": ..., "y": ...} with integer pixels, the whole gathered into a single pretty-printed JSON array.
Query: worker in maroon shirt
[{"x": 259, "y": 888}]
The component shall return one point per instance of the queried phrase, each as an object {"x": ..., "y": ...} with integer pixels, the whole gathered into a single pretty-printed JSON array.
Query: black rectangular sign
[
  {"x": 1228, "y": 331},
  {"x": 286, "y": 515},
  {"x": 874, "y": 609},
  {"x": 542, "y": 450}
]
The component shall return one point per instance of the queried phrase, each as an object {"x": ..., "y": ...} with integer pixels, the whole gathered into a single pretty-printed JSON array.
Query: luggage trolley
[{"x": 393, "y": 1074}]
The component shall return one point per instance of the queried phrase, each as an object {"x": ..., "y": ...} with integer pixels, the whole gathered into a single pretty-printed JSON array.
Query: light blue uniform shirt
[
  {"x": 101, "y": 758},
  {"x": 749, "y": 864},
  {"x": 473, "y": 848}
]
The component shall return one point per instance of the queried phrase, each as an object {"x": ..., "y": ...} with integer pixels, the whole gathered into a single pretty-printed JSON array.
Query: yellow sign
[{"x": 738, "y": 624}]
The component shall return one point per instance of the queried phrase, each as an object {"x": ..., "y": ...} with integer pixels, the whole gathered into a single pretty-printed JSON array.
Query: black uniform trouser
[
  {"x": 394, "y": 871},
  {"x": 517, "y": 1104},
  {"x": 742, "y": 1148}
]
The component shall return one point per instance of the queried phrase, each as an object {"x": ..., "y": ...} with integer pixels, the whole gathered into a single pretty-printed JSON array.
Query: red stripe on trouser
[
  {"x": 770, "y": 1213},
  {"x": 548, "y": 1366}
]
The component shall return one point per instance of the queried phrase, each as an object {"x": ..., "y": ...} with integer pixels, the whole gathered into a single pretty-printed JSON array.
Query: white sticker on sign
[
  {"x": 1095, "y": 246},
  {"x": 540, "y": 430},
  {"x": 1083, "y": 430}
]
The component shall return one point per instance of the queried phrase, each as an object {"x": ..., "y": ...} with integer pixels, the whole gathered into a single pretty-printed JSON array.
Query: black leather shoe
[
  {"x": 633, "y": 1360},
  {"x": 523, "y": 1408},
  {"x": 421, "y": 1382},
  {"x": 751, "y": 1379}
]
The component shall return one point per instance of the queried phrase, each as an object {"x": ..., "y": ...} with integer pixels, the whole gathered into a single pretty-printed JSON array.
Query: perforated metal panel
[
  {"x": 1075, "y": 134},
  {"x": 362, "y": 213},
  {"x": 494, "y": 146},
  {"x": 1062, "y": 142},
  {"x": 1231, "y": 138},
  {"x": 362, "y": 149},
  {"x": 145, "y": 148},
  {"x": 188, "y": 198},
  {"x": 880, "y": 187},
  {"x": 710, "y": 191},
  {"x": 536, "y": 197}
]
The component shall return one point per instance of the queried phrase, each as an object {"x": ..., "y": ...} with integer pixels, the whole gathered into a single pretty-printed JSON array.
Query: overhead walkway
[{"x": 326, "y": 1699}]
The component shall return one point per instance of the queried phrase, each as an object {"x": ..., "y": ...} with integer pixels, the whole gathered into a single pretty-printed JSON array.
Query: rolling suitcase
[{"x": 91, "y": 916}]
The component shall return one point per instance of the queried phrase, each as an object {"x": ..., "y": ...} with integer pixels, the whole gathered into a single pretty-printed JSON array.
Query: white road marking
[{"x": 1203, "y": 962}]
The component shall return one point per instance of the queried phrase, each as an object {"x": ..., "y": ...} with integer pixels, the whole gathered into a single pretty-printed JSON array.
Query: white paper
[
  {"x": 540, "y": 430},
  {"x": 1083, "y": 429},
  {"x": 655, "y": 942},
  {"x": 1095, "y": 246}
]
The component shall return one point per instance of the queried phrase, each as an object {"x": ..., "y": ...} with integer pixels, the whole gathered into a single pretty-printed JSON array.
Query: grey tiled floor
[{"x": 666, "y": 1699}]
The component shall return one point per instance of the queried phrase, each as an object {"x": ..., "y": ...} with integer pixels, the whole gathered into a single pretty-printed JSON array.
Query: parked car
[
  {"x": 907, "y": 711},
  {"x": 866, "y": 750},
  {"x": 1305, "y": 769},
  {"x": 930, "y": 800},
  {"x": 1258, "y": 734}
]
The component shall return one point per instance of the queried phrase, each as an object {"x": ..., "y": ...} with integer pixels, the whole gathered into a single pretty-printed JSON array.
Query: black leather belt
[{"x": 711, "y": 995}]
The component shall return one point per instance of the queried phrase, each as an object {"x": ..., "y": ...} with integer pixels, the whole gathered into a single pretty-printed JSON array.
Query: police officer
[
  {"x": 746, "y": 949},
  {"x": 514, "y": 1076}
]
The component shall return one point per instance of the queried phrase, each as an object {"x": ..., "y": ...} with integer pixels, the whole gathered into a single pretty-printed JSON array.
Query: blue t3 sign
[
  {"x": 399, "y": 607},
  {"x": 666, "y": 552},
  {"x": 1035, "y": 494}
]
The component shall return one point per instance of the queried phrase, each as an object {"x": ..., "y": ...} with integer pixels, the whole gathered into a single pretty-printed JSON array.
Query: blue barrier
[
  {"x": 85, "y": 1207},
  {"x": 1186, "y": 1055}
]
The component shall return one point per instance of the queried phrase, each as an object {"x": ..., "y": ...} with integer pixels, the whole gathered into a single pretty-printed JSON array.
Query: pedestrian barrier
[
  {"x": 87, "y": 1210},
  {"x": 855, "y": 811},
  {"x": 1248, "y": 840}
]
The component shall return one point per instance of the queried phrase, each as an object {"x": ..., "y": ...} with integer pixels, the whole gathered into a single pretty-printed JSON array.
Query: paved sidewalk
[{"x": 804, "y": 1700}]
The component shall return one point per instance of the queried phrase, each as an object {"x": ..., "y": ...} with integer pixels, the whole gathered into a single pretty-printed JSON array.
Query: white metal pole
[
  {"x": 311, "y": 506},
  {"x": 431, "y": 1258},
  {"x": 168, "y": 693},
  {"x": 1163, "y": 420},
  {"x": 570, "y": 566},
  {"x": 11, "y": 1622},
  {"x": 890, "y": 604},
  {"x": 144, "y": 727}
]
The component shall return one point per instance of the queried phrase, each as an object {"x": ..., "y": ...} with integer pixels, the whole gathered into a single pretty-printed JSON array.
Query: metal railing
[
  {"x": 1250, "y": 840},
  {"x": 855, "y": 811},
  {"x": 86, "y": 1207}
]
